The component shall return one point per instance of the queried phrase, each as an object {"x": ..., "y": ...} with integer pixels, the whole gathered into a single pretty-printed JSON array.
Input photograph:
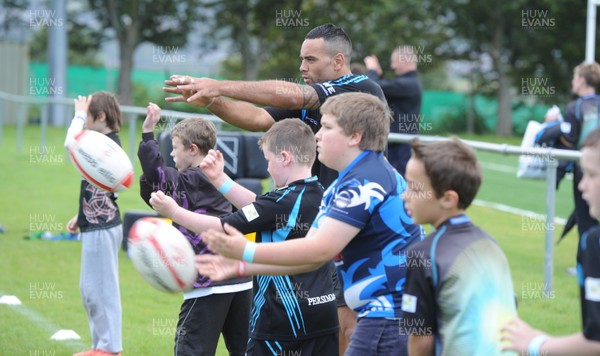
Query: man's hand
[
  {"x": 213, "y": 167},
  {"x": 163, "y": 204},
  {"x": 372, "y": 63},
  {"x": 185, "y": 87},
  {"x": 230, "y": 243},
  {"x": 516, "y": 336},
  {"x": 152, "y": 118},
  {"x": 216, "y": 267}
]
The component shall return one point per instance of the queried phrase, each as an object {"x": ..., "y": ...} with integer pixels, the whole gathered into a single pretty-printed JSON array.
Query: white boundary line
[
  {"x": 504, "y": 168},
  {"x": 517, "y": 211},
  {"x": 46, "y": 324}
]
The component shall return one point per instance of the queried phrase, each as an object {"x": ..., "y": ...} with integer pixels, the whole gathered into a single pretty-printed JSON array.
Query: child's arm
[
  {"x": 421, "y": 345},
  {"x": 219, "y": 268},
  {"x": 156, "y": 175},
  {"x": 319, "y": 246},
  {"x": 198, "y": 223},
  {"x": 520, "y": 335},
  {"x": 72, "y": 226},
  {"x": 82, "y": 103},
  {"x": 213, "y": 167}
]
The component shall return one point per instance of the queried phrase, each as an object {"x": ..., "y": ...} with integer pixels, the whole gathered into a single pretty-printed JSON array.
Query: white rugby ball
[
  {"x": 162, "y": 255},
  {"x": 101, "y": 161}
]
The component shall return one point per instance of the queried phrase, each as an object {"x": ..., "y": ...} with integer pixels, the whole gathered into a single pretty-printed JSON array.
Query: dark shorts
[
  {"x": 381, "y": 337},
  {"x": 202, "y": 320},
  {"x": 326, "y": 345}
]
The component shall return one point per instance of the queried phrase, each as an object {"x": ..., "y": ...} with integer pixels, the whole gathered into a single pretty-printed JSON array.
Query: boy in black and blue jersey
[
  {"x": 459, "y": 289},
  {"x": 291, "y": 314},
  {"x": 521, "y": 337},
  {"x": 361, "y": 215}
]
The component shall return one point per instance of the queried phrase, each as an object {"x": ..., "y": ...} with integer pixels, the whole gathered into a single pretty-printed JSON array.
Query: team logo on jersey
[
  {"x": 329, "y": 89},
  {"x": 250, "y": 212},
  {"x": 356, "y": 195},
  {"x": 409, "y": 303}
]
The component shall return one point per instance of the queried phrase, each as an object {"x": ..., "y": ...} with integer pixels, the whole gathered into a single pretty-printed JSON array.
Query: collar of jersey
[
  {"x": 300, "y": 181},
  {"x": 456, "y": 220},
  {"x": 352, "y": 164}
]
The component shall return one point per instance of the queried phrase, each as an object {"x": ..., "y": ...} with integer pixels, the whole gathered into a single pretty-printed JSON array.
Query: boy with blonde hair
[{"x": 361, "y": 217}]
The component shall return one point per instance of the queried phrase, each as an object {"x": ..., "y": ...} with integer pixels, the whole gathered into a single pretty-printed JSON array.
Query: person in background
[
  {"x": 403, "y": 94},
  {"x": 526, "y": 340}
]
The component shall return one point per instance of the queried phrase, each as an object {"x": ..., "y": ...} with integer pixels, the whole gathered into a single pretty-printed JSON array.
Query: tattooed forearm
[{"x": 310, "y": 99}]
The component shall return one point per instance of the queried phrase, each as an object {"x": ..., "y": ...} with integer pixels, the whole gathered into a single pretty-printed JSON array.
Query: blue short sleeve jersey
[{"x": 368, "y": 195}]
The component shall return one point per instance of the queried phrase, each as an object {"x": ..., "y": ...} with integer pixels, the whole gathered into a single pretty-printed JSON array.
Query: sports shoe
[{"x": 96, "y": 353}]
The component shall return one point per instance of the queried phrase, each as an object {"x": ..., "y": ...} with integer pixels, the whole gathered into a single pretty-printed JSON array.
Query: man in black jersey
[{"x": 325, "y": 68}]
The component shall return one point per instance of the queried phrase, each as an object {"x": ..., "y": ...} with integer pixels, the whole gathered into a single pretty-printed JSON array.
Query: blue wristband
[
  {"x": 249, "y": 250},
  {"x": 535, "y": 344},
  {"x": 226, "y": 187}
]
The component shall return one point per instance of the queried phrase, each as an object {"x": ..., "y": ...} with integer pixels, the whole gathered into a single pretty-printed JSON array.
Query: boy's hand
[
  {"x": 230, "y": 243},
  {"x": 516, "y": 336},
  {"x": 163, "y": 204},
  {"x": 72, "y": 226},
  {"x": 82, "y": 103},
  {"x": 152, "y": 118},
  {"x": 216, "y": 267},
  {"x": 213, "y": 167}
]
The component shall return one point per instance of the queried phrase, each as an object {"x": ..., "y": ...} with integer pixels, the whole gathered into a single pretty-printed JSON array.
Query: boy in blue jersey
[
  {"x": 291, "y": 314},
  {"x": 361, "y": 215},
  {"x": 458, "y": 290},
  {"x": 522, "y": 337}
]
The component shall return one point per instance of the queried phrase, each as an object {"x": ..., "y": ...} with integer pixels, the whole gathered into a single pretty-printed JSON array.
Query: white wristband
[
  {"x": 81, "y": 114},
  {"x": 536, "y": 344}
]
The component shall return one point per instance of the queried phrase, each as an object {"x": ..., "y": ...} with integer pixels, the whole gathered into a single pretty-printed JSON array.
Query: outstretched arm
[
  {"x": 210, "y": 93},
  {"x": 319, "y": 245},
  {"x": 277, "y": 93},
  {"x": 238, "y": 113},
  {"x": 167, "y": 207},
  {"x": 519, "y": 336},
  {"x": 219, "y": 268}
]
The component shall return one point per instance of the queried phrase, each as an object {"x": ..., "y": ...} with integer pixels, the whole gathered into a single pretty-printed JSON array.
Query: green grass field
[{"x": 40, "y": 192}]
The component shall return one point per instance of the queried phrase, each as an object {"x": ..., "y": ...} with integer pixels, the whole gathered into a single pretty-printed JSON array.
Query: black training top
[
  {"x": 346, "y": 84},
  {"x": 295, "y": 307}
]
